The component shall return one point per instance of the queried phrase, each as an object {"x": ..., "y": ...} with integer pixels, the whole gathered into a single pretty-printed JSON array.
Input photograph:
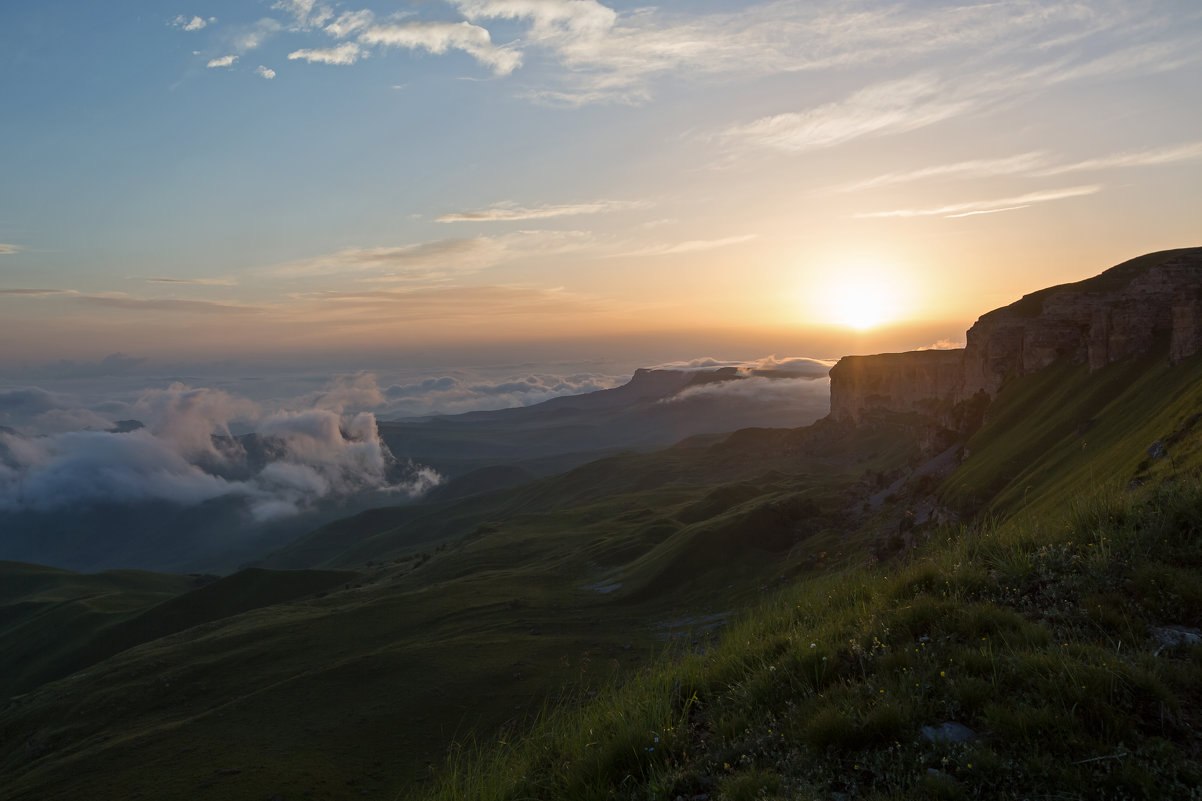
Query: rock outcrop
[
  {"x": 923, "y": 381},
  {"x": 1151, "y": 302}
]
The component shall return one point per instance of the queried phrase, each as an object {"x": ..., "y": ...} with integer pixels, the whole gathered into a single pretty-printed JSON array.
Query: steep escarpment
[
  {"x": 923, "y": 381},
  {"x": 1154, "y": 301}
]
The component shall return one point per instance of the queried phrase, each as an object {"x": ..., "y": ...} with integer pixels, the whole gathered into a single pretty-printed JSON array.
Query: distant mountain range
[{"x": 475, "y": 452}]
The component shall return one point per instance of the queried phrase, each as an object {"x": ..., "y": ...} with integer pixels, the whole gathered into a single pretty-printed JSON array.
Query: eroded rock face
[
  {"x": 917, "y": 381},
  {"x": 1130, "y": 310}
]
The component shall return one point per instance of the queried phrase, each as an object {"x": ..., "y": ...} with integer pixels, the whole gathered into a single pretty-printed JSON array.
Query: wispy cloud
[
  {"x": 265, "y": 72},
  {"x": 305, "y": 13},
  {"x": 173, "y": 305},
  {"x": 37, "y": 292},
  {"x": 439, "y": 259},
  {"x": 509, "y": 211},
  {"x": 890, "y": 107},
  {"x": 345, "y": 54},
  {"x": 691, "y": 246},
  {"x": 975, "y": 168},
  {"x": 973, "y": 207},
  {"x": 8, "y": 250},
  {"x": 1034, "y": 164},
  {"x": 439, "y": 37},
  {"x": 1136, "y": 158},
  {"x": 348, "y": 22},
  {"x": 223, "y": 61},
  {"x": 591, "y": 53},
  {"x": 349, "y": 311},
  {"x": 198, "y": 281},
  {"x": 245, "y": 38}
]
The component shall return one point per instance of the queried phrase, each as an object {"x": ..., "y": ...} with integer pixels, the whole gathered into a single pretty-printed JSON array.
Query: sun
[
  {"x": 860, "y": 296},
  {"x": 859, "y": 305}
]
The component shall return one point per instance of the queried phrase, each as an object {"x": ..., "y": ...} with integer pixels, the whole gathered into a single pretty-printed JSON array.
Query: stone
[{"x": 948, "y": 732}]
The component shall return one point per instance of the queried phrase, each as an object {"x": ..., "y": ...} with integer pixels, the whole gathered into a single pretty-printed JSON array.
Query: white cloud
[
  {"x": 1136, "y": 158},
  {"x": 265, "y": 72},
  {"x": 438, "y": 37},
  {"x": 509, "y": 211},
  {"x": 344, "y": 54},
  {"x": 224, "y": 61},
  {"x": 890, "y": 107},
  {"x": 973, "y": 207},
  {"x": 348, "y": 22},
  {"x": 251, "y": 37},
  {"x": 185, "y": 454},
  {"x": 439, "y": 259},
  {"x": 193, "y": 23},
  {"x": 8, "y": 250},
  {"x": 691, "y": 246},
  {"x": 975, "y": 168},
  {"x": 1037, "y": 164},
  {"x": 608, "y": 57},
  {"x": 580, "y": 17},
  {"x": 307, "y": 13}
]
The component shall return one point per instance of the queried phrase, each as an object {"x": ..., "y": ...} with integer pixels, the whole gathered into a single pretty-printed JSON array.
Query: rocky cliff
[
  {"x": 923, "y": 381},
  {"x": 1142, "y": 305}
]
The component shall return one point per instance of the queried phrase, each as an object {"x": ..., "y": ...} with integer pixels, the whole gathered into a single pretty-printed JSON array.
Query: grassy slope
[
  {"x": 46, "y": 615},
  {"x": 1054, "y": 430},
  {"x": 356, "y": 688},
  {"x": 1041, "y": 638},
  {"x": 1040, "y": 633}
]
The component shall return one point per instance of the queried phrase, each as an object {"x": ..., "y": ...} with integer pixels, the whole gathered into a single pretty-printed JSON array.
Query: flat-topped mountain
[{"x": 1154, "y": 301}]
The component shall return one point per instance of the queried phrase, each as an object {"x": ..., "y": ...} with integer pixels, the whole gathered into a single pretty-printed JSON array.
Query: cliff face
[
  {"x": 919, "y": 381},
  {"x": 1129, "y": 310}
]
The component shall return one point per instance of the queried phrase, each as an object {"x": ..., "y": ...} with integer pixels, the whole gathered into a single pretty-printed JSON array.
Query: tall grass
[{"x": 1044, "y": 636}]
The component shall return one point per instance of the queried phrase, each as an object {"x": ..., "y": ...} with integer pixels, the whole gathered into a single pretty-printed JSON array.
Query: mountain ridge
[{"x": 1150, "y": 302}]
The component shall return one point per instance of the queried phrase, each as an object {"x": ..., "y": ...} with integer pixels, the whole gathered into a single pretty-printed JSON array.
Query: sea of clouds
[{"x": 282, "y": 444}]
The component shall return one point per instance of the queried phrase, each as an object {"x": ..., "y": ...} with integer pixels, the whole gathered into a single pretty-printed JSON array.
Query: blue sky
[{"x": 205, "y": 179}]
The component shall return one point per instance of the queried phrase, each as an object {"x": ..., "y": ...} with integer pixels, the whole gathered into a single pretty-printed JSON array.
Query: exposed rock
[
  {"x": 918, "y": 381},
  {"x": 1174, "y": 636},
  {"x": 948, "y": 732},
  {"x": 1151, "y": 302}
]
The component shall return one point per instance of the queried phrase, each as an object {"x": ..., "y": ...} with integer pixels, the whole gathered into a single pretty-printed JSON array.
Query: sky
[{"x": 297, "y": 183}]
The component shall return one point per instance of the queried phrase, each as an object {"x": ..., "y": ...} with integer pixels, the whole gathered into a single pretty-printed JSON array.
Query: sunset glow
[{"x": 491, "y": 174}]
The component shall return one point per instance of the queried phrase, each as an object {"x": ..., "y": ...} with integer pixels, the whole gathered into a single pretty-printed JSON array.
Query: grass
[
  {"x": 1039, "y": 638},
  {"x": 526, "y": 632},
  {"x": 439, "y": 624}
]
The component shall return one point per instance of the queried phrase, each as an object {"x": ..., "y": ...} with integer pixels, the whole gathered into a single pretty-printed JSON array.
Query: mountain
[
  {"x": 1149, "y": 304},
  {"x": 766, "y": 613},
  {"x": 128, "y": 527},
  {"x": 654, "y": 409}
]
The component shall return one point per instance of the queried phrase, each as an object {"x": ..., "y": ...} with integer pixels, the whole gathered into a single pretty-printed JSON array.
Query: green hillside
[
  {"x": 747, "y": 599},
  {"x": 1061, "y": 634},
  {"x": 442, "y": 621},
  {"x": 48, "y": 617},
  {"x": 1066, "y": 652},
  {"x": 1052, "y": 432}
]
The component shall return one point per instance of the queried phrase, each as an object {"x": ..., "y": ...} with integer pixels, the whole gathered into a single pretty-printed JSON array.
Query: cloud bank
[{"x": 185, "y": 453}]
